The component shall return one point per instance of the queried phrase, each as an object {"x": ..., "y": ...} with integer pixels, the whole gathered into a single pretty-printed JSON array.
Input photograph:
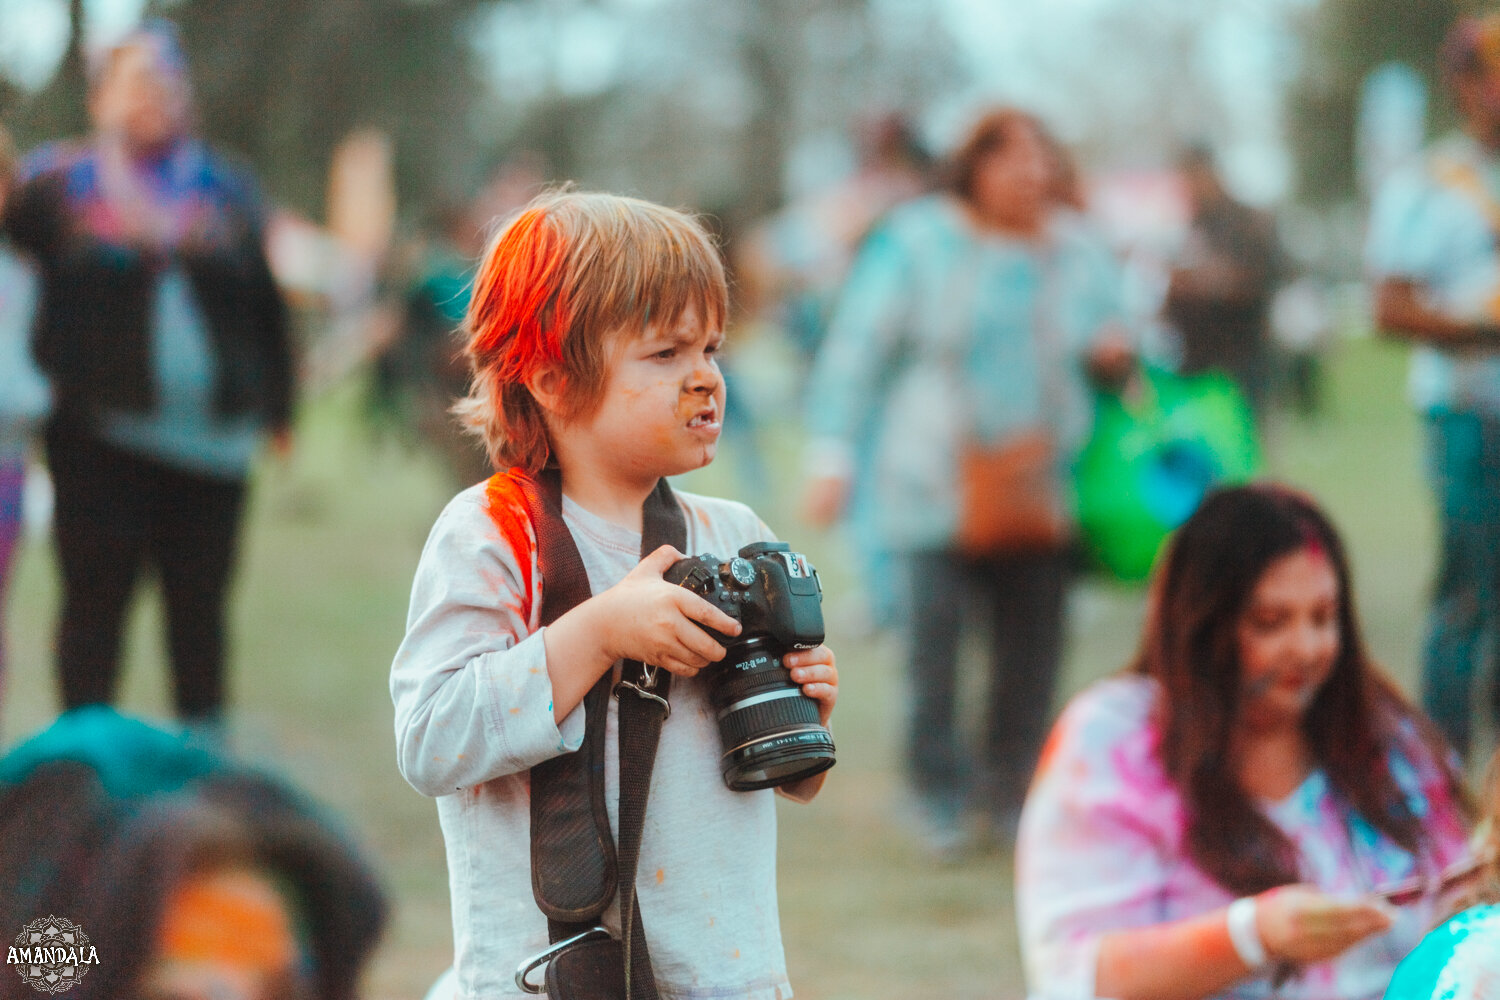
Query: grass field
[{"x": 332, "y": 540}]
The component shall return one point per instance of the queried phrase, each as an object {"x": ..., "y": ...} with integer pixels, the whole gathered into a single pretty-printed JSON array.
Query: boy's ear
[{"x": 547, "y": 385}]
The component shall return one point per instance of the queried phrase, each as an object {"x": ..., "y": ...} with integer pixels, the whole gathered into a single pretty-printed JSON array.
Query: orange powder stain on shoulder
[
  {"x": 506, "y": 506},
  {"x": 1048, "y": 756}
]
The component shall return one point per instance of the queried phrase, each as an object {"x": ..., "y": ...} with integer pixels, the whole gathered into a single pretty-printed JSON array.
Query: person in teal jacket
[{"x": 975, "y": 314}]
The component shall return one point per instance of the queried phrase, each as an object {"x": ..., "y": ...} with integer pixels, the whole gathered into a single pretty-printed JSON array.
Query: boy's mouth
[{"x": 708, "y": 418}]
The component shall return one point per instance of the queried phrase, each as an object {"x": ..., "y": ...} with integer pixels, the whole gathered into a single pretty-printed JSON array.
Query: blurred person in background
[
  {"x": 1219, "y": 290},
  {"x": 422, "y": 373},
  {"x": 24, "y": 395},
  {"x": 166, "y": 342},
  {"x": 1303, "y": 323},
  {"x": 1432, "y": 257},
  {"x": 969, "y": 314},
  {"x": 193, "y": 876},
  {"x": 1219, "y": 819},
  {"x": 1460, "y": 959},
  {"x": 793, "y": 264}
]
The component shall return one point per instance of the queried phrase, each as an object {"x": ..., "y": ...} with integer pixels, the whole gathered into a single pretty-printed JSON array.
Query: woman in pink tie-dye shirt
[{"x": 1217, "y": 821}]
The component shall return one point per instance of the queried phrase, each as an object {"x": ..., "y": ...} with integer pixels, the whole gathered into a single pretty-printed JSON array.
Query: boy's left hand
[{"x": 814, "y": 669}]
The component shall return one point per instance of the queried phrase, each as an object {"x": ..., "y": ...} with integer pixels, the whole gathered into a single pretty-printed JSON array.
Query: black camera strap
[{"x": 575, "y": 869}]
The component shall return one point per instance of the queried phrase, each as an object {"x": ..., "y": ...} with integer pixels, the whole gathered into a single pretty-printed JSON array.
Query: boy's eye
[{"x": 666, "y": 355}]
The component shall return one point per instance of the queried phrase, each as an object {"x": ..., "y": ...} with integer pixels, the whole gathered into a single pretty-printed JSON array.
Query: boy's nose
[{"x": 704, "y": 380}]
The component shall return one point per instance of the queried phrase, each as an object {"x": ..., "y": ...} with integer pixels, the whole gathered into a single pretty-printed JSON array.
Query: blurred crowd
[{"x": 1250, "y": 808}]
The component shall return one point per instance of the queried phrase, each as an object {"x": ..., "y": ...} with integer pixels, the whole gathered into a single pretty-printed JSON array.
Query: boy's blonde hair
[{"x": 555, "y": 287}]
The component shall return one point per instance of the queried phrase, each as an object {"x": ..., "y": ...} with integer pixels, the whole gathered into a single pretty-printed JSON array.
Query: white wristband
[{"x": 1244, "y": 935}]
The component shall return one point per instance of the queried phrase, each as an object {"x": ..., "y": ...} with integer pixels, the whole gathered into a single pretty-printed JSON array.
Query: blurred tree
[
  {"x": 283, "y": 81},
  {"x": 1343, "y": 41},
  {"x": 708, "y": 102},
  {"x": 61, "y": 107}
]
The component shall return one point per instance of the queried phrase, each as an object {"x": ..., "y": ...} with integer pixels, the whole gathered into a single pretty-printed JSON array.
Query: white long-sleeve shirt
[{"x": 474, "y": 713}]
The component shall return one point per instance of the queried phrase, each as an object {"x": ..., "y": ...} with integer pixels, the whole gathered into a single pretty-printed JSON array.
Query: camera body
[{"x": 769, "y": 729}]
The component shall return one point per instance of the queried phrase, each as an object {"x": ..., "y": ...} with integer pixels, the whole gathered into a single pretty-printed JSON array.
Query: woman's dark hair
[
  {"x": 1190, "y": 647},
  {"x": 990, "y": 134},
  {"x": 104, "y": 848}
]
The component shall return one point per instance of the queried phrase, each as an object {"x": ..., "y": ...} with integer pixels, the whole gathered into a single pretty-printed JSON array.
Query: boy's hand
[
  {"x": 656, "y": 622},
  {"x": 815, "y": 670}
]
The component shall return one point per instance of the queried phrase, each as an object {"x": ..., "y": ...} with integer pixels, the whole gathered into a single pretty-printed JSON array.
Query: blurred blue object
[{"x": 131, "y": 757}]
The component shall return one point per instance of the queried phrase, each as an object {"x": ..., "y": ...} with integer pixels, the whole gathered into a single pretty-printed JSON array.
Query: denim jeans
[
  {"x": 1016, "y": 604},
  {"x": 1464, "y": 466}
]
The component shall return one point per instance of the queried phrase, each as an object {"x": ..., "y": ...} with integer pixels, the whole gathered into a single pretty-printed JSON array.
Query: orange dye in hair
[
  {"x": 232, "y": 919},
  {"x": 520, "y": 310},
  {"x": 506, "y": 506}
]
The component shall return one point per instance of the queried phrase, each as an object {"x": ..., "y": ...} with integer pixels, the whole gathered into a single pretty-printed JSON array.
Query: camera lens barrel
[{"x": 769, "y": 729}]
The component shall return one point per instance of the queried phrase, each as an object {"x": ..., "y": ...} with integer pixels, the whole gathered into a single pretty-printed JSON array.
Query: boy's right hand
[{"x": 645, "y": 618}]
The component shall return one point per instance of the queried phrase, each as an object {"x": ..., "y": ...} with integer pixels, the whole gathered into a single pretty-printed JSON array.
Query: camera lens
[{"x": 769, "y": 728}]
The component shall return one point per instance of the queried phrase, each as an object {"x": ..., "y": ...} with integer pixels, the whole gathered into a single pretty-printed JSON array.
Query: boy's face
[{"x": 662, "y": 406}]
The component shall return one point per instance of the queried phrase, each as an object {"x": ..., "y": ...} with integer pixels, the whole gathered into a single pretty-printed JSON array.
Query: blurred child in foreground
[{"x": 194, "y": 877}]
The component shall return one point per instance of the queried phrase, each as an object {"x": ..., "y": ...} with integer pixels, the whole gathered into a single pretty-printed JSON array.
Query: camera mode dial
[{"x": 739, "y": 573}]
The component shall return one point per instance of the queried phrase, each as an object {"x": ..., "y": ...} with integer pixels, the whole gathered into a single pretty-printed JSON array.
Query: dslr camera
[{"x": 769, "y": 729}]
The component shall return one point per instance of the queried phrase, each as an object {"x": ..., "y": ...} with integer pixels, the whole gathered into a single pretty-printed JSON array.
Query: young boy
[{"x": 593, "y": 329}]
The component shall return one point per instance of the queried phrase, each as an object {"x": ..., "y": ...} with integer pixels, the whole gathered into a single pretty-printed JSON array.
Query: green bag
[{"x": 1155, "y": 451}]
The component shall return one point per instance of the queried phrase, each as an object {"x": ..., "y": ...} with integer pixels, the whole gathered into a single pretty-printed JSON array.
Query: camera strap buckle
[
  {"x": 643, "y": 690},
  {"x": 530, "y": 965}
]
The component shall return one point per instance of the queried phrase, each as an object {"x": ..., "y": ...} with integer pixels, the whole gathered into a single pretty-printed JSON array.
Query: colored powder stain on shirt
[
  {"x": 661, "y": 875},
  {"x": 1049, "y": 751},
  {"x": 507, "y": 509},
  {"x": 1459, "y": 960}
]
